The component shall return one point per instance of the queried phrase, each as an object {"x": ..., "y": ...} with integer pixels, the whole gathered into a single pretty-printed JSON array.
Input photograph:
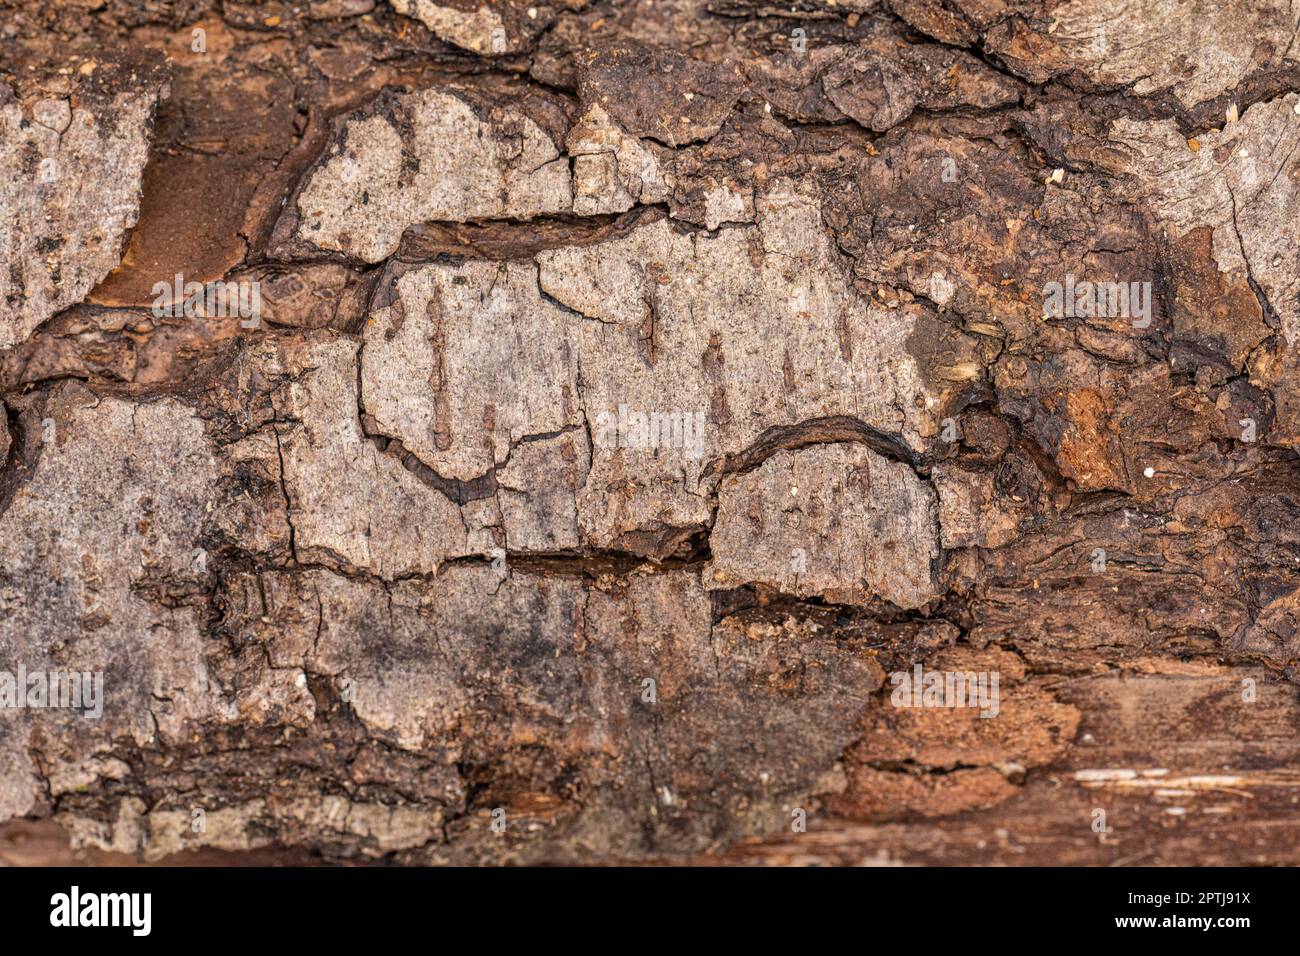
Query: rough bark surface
[{"x": 638, "y": 391}]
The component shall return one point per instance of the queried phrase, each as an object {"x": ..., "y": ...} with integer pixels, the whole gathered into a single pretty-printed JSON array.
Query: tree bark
[{"x": 593, "y": 431}]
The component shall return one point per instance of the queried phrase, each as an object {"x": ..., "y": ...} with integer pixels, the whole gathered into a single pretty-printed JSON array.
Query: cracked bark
[{"x": 400, "y": 557}]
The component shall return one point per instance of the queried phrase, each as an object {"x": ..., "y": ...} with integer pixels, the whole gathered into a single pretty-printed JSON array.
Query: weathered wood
[{"x": 658, "y": 426}]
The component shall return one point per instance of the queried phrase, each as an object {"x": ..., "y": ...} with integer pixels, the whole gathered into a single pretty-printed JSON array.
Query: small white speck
[{"x": 1149, "y": 472}]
